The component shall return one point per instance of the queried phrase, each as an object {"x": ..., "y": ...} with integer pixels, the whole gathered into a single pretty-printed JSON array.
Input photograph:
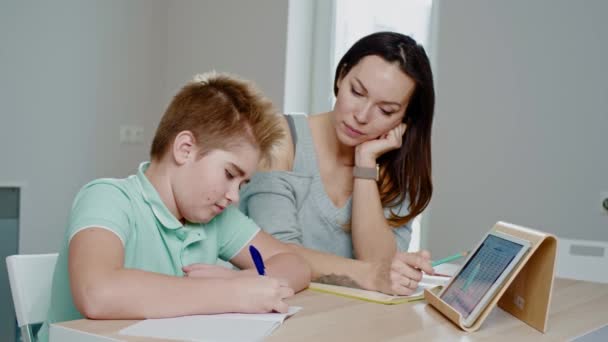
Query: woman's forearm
[
  {"x": 332, "y": 269},
  {"x": 373, "y": 239}
]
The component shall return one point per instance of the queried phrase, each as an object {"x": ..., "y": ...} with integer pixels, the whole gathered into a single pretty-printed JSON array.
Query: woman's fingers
[
  {"x": 396, "y": 135},
  {"x": 402, "y": 290},
  {"x": 404, "y": 280},
  {"x": 406, "y": 270},
  {"x": 417, "y": 260},
  {"x": 425, "y": 254},
  {"x": 402, "y": 268}
]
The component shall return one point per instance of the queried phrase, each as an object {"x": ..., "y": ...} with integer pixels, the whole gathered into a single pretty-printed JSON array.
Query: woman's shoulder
[{"x": 283, "y": 154}]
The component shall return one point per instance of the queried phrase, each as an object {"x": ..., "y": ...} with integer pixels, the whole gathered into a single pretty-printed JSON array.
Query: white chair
[
  {"x": 582, "y": 260},
  {"x": 31, "y": 278}
]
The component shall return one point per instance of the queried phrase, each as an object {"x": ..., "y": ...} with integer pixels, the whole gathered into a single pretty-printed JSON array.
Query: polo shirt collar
[{"x": 151, "y": 196}]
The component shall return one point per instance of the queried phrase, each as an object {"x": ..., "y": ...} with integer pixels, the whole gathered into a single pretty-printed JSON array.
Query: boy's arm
[
  {"x": 103, "y": 289},
  {"x": 279, "y": 260}
]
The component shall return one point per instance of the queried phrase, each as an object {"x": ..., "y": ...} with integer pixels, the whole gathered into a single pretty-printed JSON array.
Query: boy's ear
[{"x": 184, "y": 146}]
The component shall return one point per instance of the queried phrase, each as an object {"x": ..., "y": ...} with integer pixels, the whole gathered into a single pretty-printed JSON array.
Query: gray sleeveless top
[{"x": 294, "y": 207}]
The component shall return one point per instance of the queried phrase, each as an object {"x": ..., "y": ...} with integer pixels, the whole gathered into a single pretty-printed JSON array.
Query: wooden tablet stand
[{"x": 527, "y": 292}]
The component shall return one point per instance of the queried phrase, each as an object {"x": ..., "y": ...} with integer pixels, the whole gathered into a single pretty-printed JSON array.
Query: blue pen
[{"x": 257, "y": 260}]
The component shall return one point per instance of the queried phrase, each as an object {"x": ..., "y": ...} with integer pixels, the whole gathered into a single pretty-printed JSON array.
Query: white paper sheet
[
  {"x": 216, "y": 328},
  {"x": 447, "y": 269}
]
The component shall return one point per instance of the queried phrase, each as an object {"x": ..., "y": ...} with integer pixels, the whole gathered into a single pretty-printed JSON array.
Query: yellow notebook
[{"x": 433, "y": 283}]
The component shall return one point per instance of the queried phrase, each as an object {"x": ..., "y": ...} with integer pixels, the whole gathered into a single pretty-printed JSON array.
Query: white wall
[
  {"x": 519, "y": 131},
  {"x": 309, "y": 72},
  {"x": 521, "y": 121},
  {"x": 247, "y": 38},
  {"x": 72, "y": 71},
  {"x": 299, "y": 52}
]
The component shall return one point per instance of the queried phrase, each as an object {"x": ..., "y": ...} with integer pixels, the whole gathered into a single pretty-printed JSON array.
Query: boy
[{"x": 131, "y": 241}]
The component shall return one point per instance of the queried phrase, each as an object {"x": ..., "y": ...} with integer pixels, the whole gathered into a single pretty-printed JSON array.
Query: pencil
[{"x": 450, "y": 258}]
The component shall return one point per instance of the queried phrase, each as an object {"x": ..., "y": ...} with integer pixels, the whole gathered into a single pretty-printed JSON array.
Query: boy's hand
[
  {"x": 213, "y": 271},
  {"x": 261, "y": 294},
  {"x": 252, "y": 294}
]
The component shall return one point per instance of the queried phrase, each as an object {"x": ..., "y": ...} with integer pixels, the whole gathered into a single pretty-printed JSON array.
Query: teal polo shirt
[{"x": 154, "y": 240}]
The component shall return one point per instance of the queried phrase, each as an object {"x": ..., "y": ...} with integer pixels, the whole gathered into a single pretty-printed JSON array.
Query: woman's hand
[
  {"x": 402, "y": 275},
  {"x": 366, "y": 153}
]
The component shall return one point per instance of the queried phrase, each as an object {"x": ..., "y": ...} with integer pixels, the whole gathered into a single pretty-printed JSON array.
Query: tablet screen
[{"x": 479, "y": 273}]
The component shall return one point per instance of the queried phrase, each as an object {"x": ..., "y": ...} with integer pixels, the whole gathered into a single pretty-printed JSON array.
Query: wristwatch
[{"x": 367, "y": 172}]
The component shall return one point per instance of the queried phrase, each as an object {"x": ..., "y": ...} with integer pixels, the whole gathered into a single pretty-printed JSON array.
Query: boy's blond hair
[{"x": 220, "y": 110}]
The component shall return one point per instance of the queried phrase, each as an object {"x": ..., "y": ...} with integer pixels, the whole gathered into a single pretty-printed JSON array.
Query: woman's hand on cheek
[{"x": 367, "y": 152}]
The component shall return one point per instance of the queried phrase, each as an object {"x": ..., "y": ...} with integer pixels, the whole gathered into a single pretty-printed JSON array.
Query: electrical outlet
[
  {"x": 131, "y": 134},
  {"x": 604, "y": 202},
  {"x": 137, "y": 134}
]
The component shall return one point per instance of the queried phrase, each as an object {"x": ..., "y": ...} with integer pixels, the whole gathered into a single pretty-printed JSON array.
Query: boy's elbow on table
[
  {"x": 93, "y": 301},
  {"x": 295, "y": 268}
]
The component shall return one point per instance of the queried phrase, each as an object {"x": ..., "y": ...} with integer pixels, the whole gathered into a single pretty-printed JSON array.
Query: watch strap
[{"x": 366, "y": 172}]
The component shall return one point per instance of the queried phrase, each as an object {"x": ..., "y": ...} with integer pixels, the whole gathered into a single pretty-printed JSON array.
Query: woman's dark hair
[{"x": 405, "y": 173}]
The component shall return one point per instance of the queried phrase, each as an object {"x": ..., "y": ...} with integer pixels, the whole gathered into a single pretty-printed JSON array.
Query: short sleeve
[
  {"x": 102, "y": 205},
  {"x": 270, "y": 199},
  {"x": 403, "y": 234},
  {"x": 234, "y": 230}
]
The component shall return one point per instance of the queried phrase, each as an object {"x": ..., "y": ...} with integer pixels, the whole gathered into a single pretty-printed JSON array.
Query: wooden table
[{"x": 577, "y": 307}]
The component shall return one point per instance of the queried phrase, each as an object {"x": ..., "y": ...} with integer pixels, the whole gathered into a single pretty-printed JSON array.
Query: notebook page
[
  {"x": 221, "y": 327},
  {"x": 427, "y": 282}
]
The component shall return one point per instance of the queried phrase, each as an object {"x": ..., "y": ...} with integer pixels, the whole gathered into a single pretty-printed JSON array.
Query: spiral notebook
[{"x": 433, "y": 283}]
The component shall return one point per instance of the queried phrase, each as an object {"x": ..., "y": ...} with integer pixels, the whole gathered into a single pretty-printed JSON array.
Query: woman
[{"x": 347, "y": 183}]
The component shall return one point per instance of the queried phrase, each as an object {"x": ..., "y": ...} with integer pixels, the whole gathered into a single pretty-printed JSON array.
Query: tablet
[{"x": 483, "y": 273}]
